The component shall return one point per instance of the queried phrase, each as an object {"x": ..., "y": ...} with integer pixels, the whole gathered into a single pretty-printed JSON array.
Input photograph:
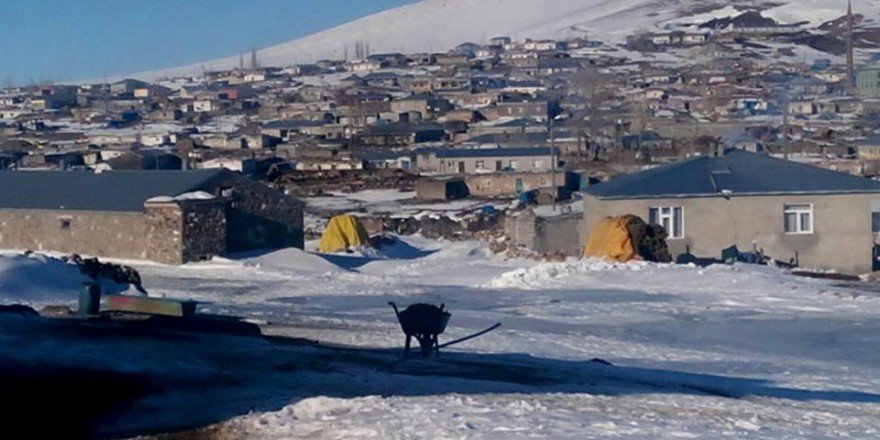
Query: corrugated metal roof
[
  {"x": 737, "y": 173},
  {"x": 119, "y": 191}
]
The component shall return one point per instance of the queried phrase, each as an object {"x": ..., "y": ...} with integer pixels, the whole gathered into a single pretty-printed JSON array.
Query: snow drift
[{"x": 37, "y": 278}]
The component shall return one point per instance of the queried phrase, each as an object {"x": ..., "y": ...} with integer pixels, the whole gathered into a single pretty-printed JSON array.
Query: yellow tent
[
  {"x": 610, "y": 240},
  {"x": 343, "y": 232}
]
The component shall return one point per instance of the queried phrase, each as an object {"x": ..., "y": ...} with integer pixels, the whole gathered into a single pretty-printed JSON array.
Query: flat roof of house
[
  {"x": 290, "y": 124},
  {"x": 737, "y": 173},
  {"x": 871, "y": 141},
  {"x": 116, "y": 191},
  {"x": 396, "y": 128}
]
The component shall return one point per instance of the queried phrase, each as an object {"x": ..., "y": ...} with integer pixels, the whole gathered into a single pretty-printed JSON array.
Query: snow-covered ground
[{"x": 741, "y": 351}]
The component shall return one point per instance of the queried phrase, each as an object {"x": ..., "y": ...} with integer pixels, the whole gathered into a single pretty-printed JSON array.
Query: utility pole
[
  {"x": 554, "y": 189},
  {"x": 785, "y": 126},
  {"x": 850, "y": 50}
]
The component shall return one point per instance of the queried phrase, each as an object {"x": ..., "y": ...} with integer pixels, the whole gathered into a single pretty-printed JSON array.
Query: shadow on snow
[
  {"x": 112, "y": 379},
  {"x": 394, "y": 249}
]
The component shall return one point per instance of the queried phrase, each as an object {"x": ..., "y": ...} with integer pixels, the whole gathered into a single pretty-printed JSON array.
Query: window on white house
[
  {"x": 538, "y": 164},
  {"x": 670, "y": 217},
  {"x": 481, "y": 165},
  {"x": 798, "y": 219},
  {"x": 514, "y": 164}
]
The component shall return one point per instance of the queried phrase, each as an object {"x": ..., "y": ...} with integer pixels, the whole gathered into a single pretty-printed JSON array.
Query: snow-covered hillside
[{"x": 439, "y": 25}]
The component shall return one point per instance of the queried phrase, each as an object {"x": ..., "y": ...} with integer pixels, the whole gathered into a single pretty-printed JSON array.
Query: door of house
[
  {"x": 461, "y": 167},
  {"x": 876, "y": 259},
  {"x": 875, "y": 229},
  {"x": 519, "y": 186}
]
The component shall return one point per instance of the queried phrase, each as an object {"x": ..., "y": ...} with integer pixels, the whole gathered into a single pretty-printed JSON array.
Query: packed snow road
[{"x": 739, "y": 351}]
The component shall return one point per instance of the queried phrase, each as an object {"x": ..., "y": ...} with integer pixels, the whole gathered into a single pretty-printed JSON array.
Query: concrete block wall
[
  {"x": 842, "y": 239},
  {"x": 109, "y": 234}
]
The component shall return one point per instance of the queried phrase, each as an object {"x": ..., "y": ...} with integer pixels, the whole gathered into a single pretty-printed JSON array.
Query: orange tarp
[{"x": 610, "y": 240}]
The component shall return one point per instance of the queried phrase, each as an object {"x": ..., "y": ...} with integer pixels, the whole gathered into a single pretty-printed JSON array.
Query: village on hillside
[
  {"x": 532, "y": 121},
  {"x": 615, "y": 234}
]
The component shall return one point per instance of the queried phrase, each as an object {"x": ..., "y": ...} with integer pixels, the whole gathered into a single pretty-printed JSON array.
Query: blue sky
[{"x": 65, "y": 40}]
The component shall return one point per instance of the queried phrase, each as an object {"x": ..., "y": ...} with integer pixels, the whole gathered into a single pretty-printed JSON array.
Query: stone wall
[
  {"x": 204, "y": 229},
  {"x": 163, "y": 241},
  {"x": 545, "y": 235},
  {"x": 107, "y": 234},
  {"x": 180, "y": 232},
  {"x": 259, "y": 217}
]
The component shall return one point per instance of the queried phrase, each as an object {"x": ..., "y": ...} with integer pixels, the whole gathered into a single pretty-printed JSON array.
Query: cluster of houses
[{"x": 494, "y": 119}]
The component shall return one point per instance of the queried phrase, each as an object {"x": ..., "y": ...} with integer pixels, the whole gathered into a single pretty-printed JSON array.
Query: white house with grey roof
[
  {"x": 816, "y": 218},
  {"x": 486, "y": 160}
]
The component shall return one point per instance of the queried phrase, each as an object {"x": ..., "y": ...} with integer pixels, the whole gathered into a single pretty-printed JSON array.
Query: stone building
[
  {"x": 509, "y": 184},
  {"x": 170, "y": 217},
  {"x": 495, "y": 185}
]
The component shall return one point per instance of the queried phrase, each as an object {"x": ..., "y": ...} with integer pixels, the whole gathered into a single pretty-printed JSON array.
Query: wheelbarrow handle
[{"x": 466, "y": 338}]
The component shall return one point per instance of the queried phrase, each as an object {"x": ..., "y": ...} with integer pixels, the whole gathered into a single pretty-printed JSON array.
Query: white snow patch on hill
[
  {"x": 439, "y": 25},
  {"x": 816, "y": 12}
]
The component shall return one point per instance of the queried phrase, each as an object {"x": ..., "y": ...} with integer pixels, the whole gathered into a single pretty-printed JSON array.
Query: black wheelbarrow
[{"x": 425, "y": 322}]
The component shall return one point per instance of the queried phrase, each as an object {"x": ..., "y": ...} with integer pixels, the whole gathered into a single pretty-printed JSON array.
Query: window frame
[
  {"x": 670, "y": 215},
  {"x": 792, "y": 208}
]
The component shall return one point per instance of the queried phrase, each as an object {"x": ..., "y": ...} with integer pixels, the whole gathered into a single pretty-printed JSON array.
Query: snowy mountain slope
[
  {"x": 817, "y": 12},
  {"x": 439, "y": 25}
]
